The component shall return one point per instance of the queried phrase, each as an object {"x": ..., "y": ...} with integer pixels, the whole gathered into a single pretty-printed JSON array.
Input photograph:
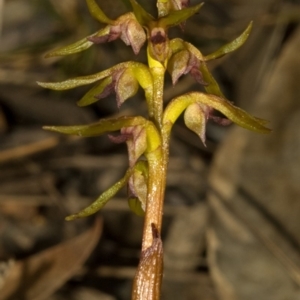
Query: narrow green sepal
[
  {"x": 91, "y": 96},
  {"x": 102, "y": 199},
  {"x": 71, "y": 49},
  {"x": 101, "y": 127},
  {"x": 75, "y": 82},
  {"x": 232, "y": 46},
  {"x": 82, "y": 80},
  {"x": 97, "y": 12},
  {"x": 78, "y": 46},
  {"x": 212, "y": 86},
  {"x": 141, "y": 15},
  {"x": 178, "y": 16},
  {"x": 233, "y": 113}
]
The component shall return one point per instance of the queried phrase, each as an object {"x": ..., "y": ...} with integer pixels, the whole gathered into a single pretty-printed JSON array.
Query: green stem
[
  {"x": 158, "y": 159},
  {"x": 158, "y": 87},
  {"x": 158, "y": 74},
  {"x": 148, "y": 279}
]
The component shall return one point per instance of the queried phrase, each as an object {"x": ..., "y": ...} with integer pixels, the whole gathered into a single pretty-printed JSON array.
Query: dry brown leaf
[{"x": 40, "y": 275}]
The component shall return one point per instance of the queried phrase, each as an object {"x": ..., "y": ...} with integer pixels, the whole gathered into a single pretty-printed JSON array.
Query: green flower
[
  {"x": 126, "y": 27},
  {"x": 199, "y": 109}
]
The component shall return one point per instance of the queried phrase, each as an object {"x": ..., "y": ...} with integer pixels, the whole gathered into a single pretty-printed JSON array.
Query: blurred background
[{"x": 232, "y": 209}]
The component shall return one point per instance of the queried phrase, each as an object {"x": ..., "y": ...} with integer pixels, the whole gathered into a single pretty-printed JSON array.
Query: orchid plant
[{"x": 148, "y": 137}]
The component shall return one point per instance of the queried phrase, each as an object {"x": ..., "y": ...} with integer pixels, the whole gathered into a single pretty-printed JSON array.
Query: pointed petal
[
  {"x": 232, "y": 46},
  {"x": 97, "y": 12},
  {"x": 78, "y": 46},
  {"x": 178, "y": 16},
  {"x": 101, "y": 90},
  {"x": 101, "y": 127},
  {"x": 212, "y": 86},
  {"x": 141, "y": 15},
  {"x": 102, "y": 199},
  {"x": 74, "y": 82},
  {"x": 83, "y": 80},
  {"x": 71, "y": 49}
]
